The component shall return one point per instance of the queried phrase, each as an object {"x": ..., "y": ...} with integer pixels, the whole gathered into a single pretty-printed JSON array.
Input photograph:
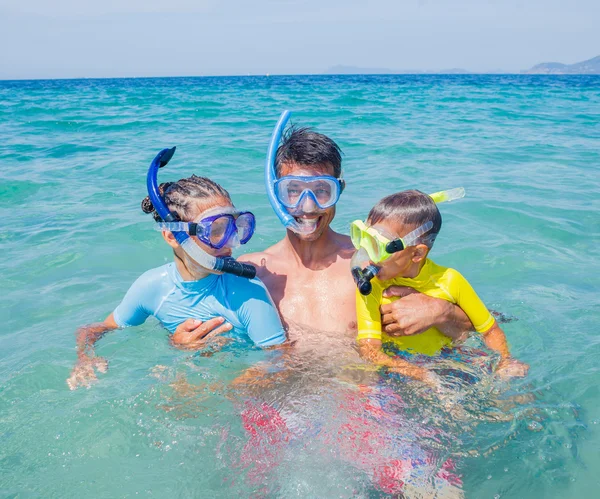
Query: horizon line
[{"x": 270, "y": 75}]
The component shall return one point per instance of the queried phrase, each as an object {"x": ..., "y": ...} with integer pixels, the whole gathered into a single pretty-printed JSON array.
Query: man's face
[{"x": 311, "y": 210}]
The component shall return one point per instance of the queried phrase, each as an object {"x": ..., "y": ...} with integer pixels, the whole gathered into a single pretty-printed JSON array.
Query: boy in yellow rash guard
[{"x": 391, "y": 219}]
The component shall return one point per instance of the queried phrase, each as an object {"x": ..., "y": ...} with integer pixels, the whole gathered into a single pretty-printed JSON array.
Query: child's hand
[
  {"x": 426, "y": 376},
  {"x": 512, "y": 368},
  {"x": 83, "y": 374}
]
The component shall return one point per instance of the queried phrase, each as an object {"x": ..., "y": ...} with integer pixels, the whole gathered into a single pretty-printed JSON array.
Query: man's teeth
[
  {"x": 308, "y": 225},
  {"x": 308, "y": 221}
]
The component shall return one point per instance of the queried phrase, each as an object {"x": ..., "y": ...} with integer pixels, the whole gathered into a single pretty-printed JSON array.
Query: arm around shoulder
[{"x": 259, "y": 314}]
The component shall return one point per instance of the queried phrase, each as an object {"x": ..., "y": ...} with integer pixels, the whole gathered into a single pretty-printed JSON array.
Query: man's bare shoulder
[
  {"x": 344, "y": 241},
  {"x": 344, "y": 246},
  {"x": 261, "y": 258}
]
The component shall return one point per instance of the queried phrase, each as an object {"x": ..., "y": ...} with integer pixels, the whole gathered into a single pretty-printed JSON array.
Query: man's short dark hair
[
  {"x": 413, "y": 208},
  {"x": 303, "y": 146}
]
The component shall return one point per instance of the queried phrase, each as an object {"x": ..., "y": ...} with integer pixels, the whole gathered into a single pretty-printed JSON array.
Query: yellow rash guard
[{"x": 433, "y": 280}]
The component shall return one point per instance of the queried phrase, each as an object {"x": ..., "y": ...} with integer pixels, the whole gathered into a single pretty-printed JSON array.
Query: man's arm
[
  {"x": 417, "y": 312},
  {"x": 83, "y": 373},
  {"x": 258, "y": 313}
]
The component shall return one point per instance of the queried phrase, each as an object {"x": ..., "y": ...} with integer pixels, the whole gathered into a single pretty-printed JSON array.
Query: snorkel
[
  {"x": 288, "y": 221},
  {"x": 448, "y": 196},
  {"x": 363, "y": 271},
  {"x": 221, "y": 264}
]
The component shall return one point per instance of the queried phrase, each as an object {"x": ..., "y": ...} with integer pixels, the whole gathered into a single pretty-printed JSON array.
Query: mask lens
[
  {"x": 245, "y": 226},
  {"x": 289, "y": 191},
  {"x": 218, "y": 230},
  {"x": 371, "y": 245},
  {"x": 293, "y": 191},
  {"x": 323, "y": 192},
  {"x": 355, "y": 235}
]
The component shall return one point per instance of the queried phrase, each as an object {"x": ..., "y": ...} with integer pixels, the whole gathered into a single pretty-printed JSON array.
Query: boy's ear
[
  {"x": 420, "y": 253},
  {"x": 170, "y": 239}
]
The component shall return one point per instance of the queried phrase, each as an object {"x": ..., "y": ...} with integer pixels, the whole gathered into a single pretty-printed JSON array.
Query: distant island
[{"x": 589, "y": 67}]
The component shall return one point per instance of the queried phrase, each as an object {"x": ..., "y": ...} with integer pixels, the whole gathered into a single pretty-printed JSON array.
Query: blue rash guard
[{"x": 245, "y": 304}]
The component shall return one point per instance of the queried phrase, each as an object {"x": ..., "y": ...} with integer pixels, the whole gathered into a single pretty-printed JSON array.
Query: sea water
[{"x": 164, "y": 423}]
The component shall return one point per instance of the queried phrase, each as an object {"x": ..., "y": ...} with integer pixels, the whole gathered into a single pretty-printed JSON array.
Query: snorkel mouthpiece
[
  {"x": 230, "y": 265},
  {"x": 195, "y": 252},
  {"x": 363, "y": 271},
  {"x": 363, "y": 278}
]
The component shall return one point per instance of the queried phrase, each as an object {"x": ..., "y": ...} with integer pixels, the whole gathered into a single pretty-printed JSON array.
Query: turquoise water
[{"x": 74, "y": 156}]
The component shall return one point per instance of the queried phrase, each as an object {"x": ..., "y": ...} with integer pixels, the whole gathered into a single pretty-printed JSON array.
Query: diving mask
[
  {"x": 379, "y": 247},
  {"x": 293, "y": 191},
  {"x": 217, "y": 227}
]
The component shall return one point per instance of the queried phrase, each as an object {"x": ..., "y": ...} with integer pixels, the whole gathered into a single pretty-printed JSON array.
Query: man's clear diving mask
[
  {"x": 218, "y": 227},
  {"x": 294, "y": 191},
  {"x": 378, "y": 246}
]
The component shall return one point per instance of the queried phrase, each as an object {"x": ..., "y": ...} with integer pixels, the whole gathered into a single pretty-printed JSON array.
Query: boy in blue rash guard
[{"x": 182, "y": 289}]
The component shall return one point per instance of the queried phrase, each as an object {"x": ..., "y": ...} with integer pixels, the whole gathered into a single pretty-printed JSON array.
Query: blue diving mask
[{"x": 293, "y": 192}]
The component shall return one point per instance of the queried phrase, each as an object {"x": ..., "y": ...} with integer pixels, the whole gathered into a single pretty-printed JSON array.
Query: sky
[{"x": 119, "y": 38}]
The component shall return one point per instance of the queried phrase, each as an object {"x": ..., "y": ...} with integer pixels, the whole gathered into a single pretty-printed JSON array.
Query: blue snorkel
[
  {"x": 271, "y": 176},
  {"x": 288, "y": 221},
  {"x": 220, "y": 264}
]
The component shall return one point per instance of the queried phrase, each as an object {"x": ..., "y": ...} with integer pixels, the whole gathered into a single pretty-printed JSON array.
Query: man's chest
[{"x": 321, "y": 300}]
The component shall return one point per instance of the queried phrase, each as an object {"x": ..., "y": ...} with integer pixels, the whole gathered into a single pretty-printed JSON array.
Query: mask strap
[{"x": 409, "y": 239}]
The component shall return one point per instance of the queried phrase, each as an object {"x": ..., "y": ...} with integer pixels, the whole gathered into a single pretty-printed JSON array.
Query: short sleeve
[
  {"x": 137, "y": 305},
  {"x": 467, "y": 299},
  {"x": 368, "y": 316},
  {"x": 258, "y": 313}
]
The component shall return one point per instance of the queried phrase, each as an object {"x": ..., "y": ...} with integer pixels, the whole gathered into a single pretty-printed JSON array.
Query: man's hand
[
  {"x": 194, "y": 334},
  {"x": 512, "y": 368},
  {"x": 83, "y": 373},
  {"x": 416, "y": 312}
]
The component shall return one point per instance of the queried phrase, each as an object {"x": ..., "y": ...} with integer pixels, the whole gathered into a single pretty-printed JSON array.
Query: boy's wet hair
[
  {"x": 411, "y": 208},
  {"x": 303, "y": 146},
  {"x": 180, "y": 196}
]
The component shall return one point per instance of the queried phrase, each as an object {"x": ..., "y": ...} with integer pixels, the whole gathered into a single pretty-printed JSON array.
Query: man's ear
[
  {"x": 170, "y": 239},
  {"x": 420, "y": 253},
  {"x": 342, "y": 185}
]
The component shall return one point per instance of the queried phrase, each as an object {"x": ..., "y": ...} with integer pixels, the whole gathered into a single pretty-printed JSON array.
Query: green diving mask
[{"x": 377, "y": 245}]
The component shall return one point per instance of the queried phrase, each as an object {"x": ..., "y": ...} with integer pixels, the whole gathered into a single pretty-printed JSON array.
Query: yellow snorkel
[{"x": 449, "y": 195}]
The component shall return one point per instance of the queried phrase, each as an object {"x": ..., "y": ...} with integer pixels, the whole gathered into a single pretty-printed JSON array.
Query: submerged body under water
[{"x": 318, "y": 423}]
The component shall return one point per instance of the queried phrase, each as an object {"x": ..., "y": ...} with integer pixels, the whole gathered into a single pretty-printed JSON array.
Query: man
[{"x": 308, "y": 273}]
